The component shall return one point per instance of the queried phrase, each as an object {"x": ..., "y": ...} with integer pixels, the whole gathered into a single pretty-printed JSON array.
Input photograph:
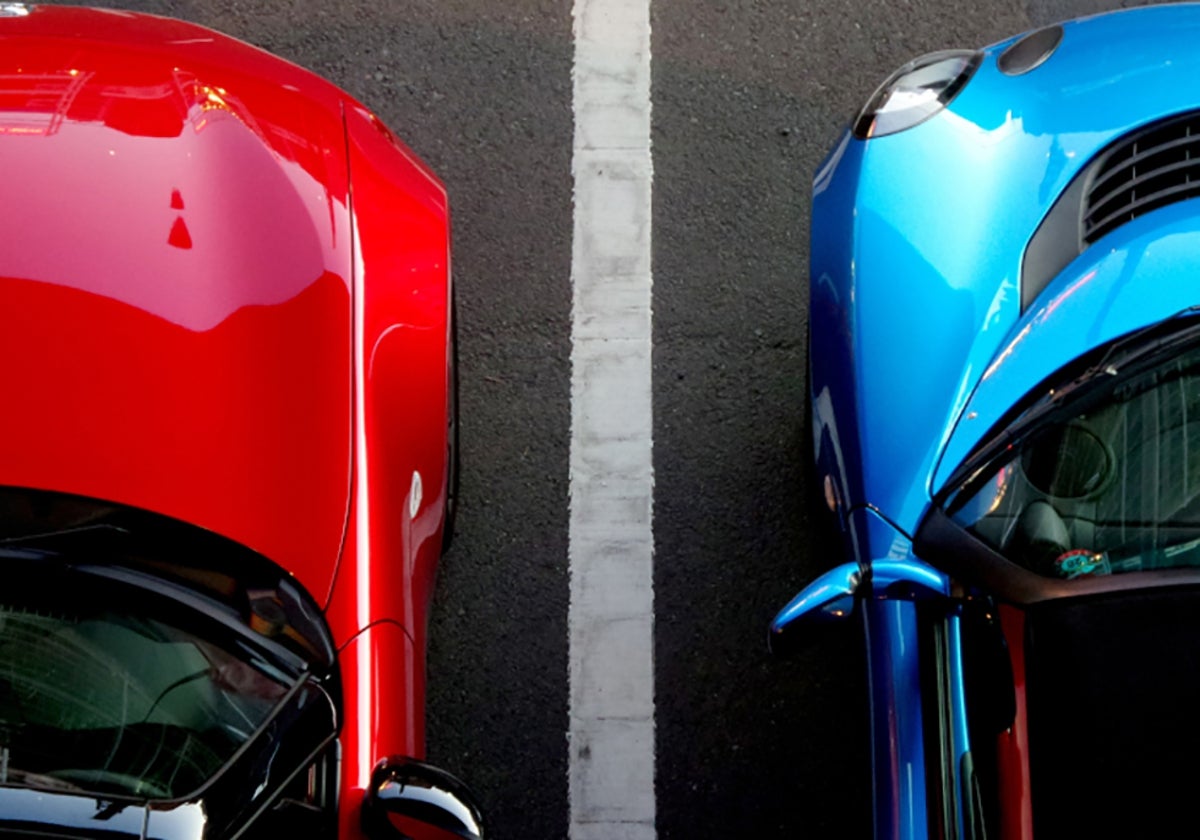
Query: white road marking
[{"x": 611, "y": 618}]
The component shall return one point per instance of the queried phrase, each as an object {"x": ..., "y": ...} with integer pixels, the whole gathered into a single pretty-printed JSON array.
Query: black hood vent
[{"x": 1146, "y": 169}]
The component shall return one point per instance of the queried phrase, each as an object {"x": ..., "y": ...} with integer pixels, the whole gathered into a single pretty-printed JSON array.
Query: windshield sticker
[{"x": 1080, "y": 562}]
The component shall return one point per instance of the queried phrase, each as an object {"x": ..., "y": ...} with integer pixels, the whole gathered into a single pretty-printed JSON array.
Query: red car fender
[
  {"x": 379, "y": 602},
  {"x": 402, "y": 294},
  {"x": 383, "y": 697}
]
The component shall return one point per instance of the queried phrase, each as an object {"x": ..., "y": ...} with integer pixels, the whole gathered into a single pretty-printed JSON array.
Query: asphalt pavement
[{"x": 747, "y": 96}]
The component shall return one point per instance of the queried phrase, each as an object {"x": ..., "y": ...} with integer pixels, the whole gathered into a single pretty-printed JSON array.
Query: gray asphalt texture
[{"x": 747, "y": 97}]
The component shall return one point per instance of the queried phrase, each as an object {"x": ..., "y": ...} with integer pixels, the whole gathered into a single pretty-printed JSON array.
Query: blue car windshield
[
  {"x": 108, "y": 689},
  {"x": 1110, "y": 485}
]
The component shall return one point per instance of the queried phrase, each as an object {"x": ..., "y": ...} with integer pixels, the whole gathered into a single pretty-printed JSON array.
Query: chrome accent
[{"x": 428, "y": 801}]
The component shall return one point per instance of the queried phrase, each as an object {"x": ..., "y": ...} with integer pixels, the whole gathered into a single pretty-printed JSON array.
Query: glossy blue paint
[
  {"x": 907, "y": 579},
  {"x": 1131, "y": 280},
  {"x": 889, "y": 614},
  {"x": 918, "y": 239},
  {"x": 829, "y": 598},
  {"x": 872, "y": 537},
  {"x": 886, "y": 559},
  {"x": 897, "y": 738},
  {"x": 897, "y": 585},
  {"x": 918, "y": 341},
  {"x": 888, "y": 606},
  {"x": 960, "y": 738}
]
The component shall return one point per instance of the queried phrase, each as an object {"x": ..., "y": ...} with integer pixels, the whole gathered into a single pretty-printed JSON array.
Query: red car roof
[{"x": 175, "y": 310}]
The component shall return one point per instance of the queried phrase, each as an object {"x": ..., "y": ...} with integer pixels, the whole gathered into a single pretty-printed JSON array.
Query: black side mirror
[{"x": 411, "y": 800}]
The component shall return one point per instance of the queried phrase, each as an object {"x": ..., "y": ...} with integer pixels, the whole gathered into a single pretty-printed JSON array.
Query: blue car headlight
[{"x": 916, "y": 92}]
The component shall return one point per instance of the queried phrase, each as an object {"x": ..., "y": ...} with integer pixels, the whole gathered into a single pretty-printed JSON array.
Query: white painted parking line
[{"x": 611, "y": 618}]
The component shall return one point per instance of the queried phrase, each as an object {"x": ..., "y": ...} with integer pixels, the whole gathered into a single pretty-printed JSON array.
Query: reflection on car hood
[{"x": 174, "y": 279}]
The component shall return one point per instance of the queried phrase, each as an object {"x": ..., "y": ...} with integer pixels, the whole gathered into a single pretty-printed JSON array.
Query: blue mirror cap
[
  {"x": 828, "y": 599},
  {"x": 908, "y": 580},
  {"x": 831, "y": 598}
]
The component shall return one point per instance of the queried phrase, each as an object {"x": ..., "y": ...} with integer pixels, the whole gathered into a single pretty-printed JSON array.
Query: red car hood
[{"x": 175, "y": 311}]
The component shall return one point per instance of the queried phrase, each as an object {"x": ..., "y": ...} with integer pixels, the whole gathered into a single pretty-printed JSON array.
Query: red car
[{"x": 228, "y": 455}]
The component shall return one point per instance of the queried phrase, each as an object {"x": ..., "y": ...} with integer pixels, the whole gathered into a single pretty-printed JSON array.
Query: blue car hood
[
  {"x": 1147, "y": 273},
  {"x": 918, "y": 240}
]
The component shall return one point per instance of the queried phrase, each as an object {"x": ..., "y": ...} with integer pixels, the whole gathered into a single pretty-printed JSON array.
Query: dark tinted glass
[
  {"x": 1111, "y": 488},
  {"x": 103, "y": 692},
  {"x": 1112, "y": 686}
]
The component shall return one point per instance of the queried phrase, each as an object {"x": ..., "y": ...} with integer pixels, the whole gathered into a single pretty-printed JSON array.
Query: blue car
[{"x": 1005, "y": 397}]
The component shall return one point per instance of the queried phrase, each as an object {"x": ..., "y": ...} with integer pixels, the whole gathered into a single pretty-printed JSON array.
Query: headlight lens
[{"x": 916, "y": 92}]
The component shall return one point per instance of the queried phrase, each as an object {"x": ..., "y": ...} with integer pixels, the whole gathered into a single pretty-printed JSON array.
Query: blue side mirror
[
  {"x": 827, "y": 600},
  {"x": 831, "y": 598}
]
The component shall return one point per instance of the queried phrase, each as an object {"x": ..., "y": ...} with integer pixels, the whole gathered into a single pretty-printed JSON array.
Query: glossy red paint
[
  {"x": 176, "y": 280},
  {"x": 401, "y": 323},
  {"x": 401, "y": 229},
  {"x": 226, "y": 286},
  {"x": 1012, "y": 753},
  {"x": 384, "y": 697}
]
